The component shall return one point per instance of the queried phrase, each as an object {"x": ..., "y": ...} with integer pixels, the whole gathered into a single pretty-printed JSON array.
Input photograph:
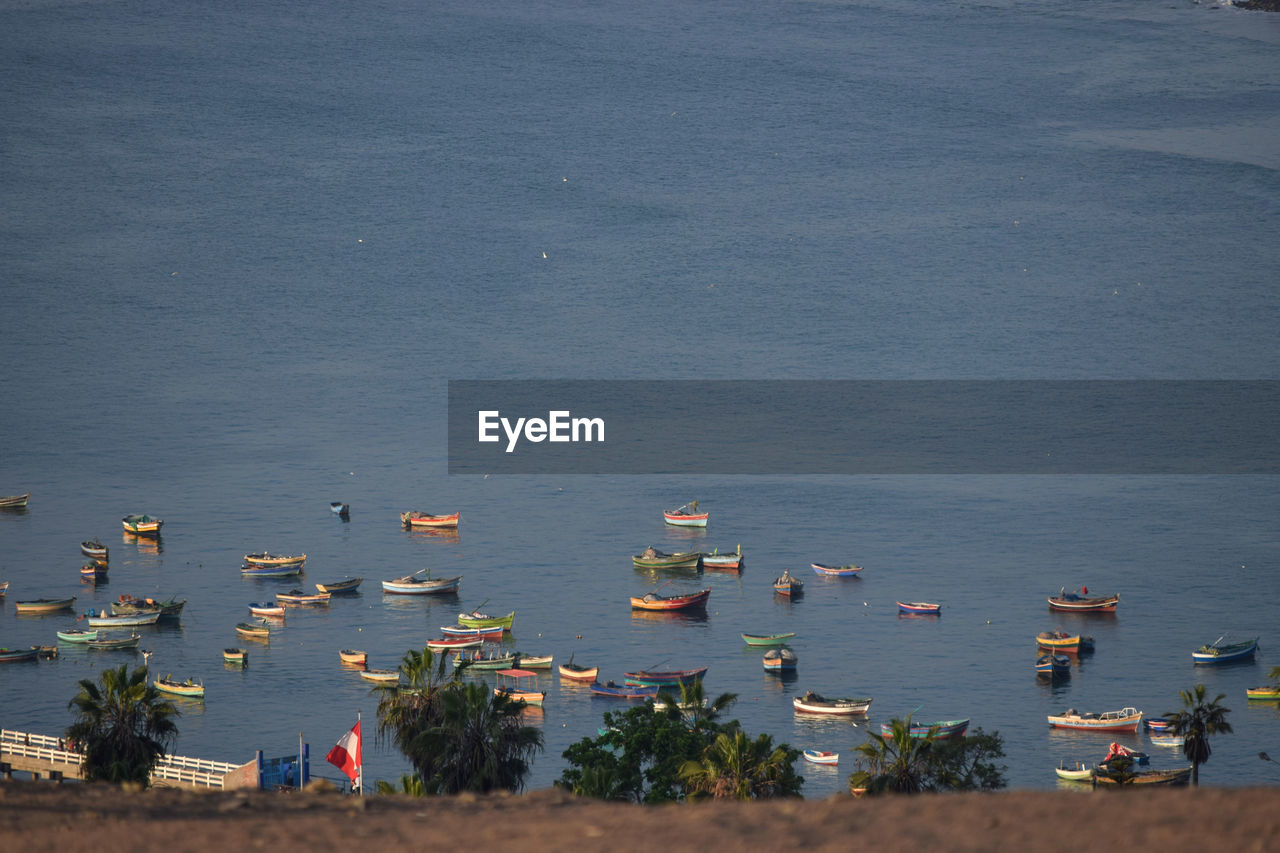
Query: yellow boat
[
  {"x": 266, "y": 559},
  {"x": 142, "y": 525},
  {"x": 189, "y": 688},
  {"x": 1269, "y": 692}
]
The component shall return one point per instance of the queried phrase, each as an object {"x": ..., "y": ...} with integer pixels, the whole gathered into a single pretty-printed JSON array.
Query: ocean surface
[{"x": 244, "y": 246}]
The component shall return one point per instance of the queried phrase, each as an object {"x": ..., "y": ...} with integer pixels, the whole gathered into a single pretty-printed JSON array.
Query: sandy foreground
[{"x": 43, "y": 816}]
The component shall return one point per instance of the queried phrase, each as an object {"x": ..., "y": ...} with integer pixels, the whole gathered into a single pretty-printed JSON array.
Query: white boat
[
  {"x": 818, "y": 756},
  {"x": 814, "y": 703},
  {"x": 414, "y": 585},
  {"x": 126, "y": 621}
]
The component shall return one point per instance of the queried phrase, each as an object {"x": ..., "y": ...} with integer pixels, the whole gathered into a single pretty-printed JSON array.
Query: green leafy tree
[
  {"x": 736, "y": 767},
  {"x": 410, "y": 783},
  {"x": 693, "y": 709},
  {"x": 1196, "y": 722},
  {"x": 412, "y": 706},
  {"x": 123, "y": 726},
  {"x": 967, "y": 763},
  {"x": 904, "y": 764},
  {"x": 479, "y": 744}
]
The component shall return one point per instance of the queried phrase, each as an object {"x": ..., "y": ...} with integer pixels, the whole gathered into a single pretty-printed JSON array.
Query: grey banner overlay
[{"x": 874, "y": 427}]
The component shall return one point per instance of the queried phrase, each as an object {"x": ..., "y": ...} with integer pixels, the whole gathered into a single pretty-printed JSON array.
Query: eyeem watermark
[{"x": 560, "y": 426}]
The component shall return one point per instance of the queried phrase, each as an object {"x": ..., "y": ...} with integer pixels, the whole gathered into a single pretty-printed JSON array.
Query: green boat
[
  {"x": 767, "y": 639},
  {"x": 77, "y": 635},
  {"x": 481, "y": 661},
  {"x": 652, "y": 558},
  {"x": 484, "y": 620}
]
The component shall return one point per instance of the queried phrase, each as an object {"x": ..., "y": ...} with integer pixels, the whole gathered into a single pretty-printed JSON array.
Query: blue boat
[
  {"x": 942, "y": 729},
  {"x": 249, "y": 570},
  {"x": 625, "y": 691},
  {"x": 1223, "y": 651},
  {"x": 1053, "y": 665}
]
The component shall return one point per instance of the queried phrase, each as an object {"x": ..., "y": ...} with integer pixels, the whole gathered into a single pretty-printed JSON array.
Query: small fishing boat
[
  {"x": 1223, "y": 650},
  {"x": 237, "y": 656},
  {"x": 1058, "y": 641},
  {"x": 767, "y": 639},
  {"x": 476, "y": 619},
  {"x": 493, "y": 632},
  {"x": 190, "y": 688},
  {"x": 44, "y": 605},
  {"x": 254, "y": 630},
  {"x": 264, "y": 558},
  {"x": 339, "y": 508},
  {"x": 816, "y": 703},
  {"x": 382, "y": 676},
  {"x": 1266, "y": 692},
  {"x": 485, "y": 660},
  {"x": 577, "y": 672},
  {"x": 337, "y": 587},
  {"x": 920, "y": 608},
  {"x": 253, "y": 571},
  {"x": 455, "y": 643},
  {"x": 4, "y": 587},
  {"x": 77, "y": 635},
  {"x": 836, "y": 571},
  {"x": 1076, "y": 771},
  {"x": 169, "y": 609},
  {"x": 515, "y": 689},
  {"x": 94, "y": 548},
  {"x": 686, "y": 516},
  {"x": 781, "y": 659},
  {"x": 1070, "y": 602},
  {"x": 670, "y": 678},
  {"x": 1167, "y": 739},
  {"x": 93, "y": 571},
  {"x": 817, "y": 756},
  {"x": 1124, "y": 720},
  {"x": 128, "y": 620},
  {"x": 730, "y": 562},
  {"x": 299, "y": 597},
  {"x": 422, "y": 519},
  {"x": 8, "y": 655},
  {"x": 1053, "y": 666},
  {"x": 266, "y": 608},
  {"x": 1157, "y": 724},
  {"x": 687, "y": 601},
  {"x": 524, "y": 661},
  {"x": 353, "y": 656},
  {"x": 142, "y": 525},
  {"x": 624, "y": 691},
  {"x": 1117, "y": 750},
  {"x": 654, "y": 558},
  {"x": 14, "y": 501},
  {"x": 940, "y": 729},
  {"x": 109, "y": 644},
  {"x": 662, "y": 705},
  {"x": 788, "y": 585},
  {"x": 414, "y": 585},
  {"x": 1143, "y": 778}
]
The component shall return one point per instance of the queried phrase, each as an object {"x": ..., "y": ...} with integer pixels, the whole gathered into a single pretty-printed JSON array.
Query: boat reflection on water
[
  {"x": 146, "y": 544},
  {"x": 449, "y": 536},
  {"x": 671, "y": 617}
]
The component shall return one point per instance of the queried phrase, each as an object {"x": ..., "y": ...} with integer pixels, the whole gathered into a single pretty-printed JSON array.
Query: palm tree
[
  {"x": 736, "y": 767},
  {"x": 409, "y": 707},
  {"x": 123, "y": 726},
  {"x": 1196, "y": 722},
  {"x": 479, "y": 743},
  {"x": 693, "y": 708},
  {"x": 897, "y": 764},
  {"x": 410, "y": 784}
]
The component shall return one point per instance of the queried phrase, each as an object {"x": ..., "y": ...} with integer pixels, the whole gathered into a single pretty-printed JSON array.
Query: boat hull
[
  {"x": 1066, "y": 645},
  {"x": 1127, "y": 720},
  {"x": 340, "y": 586},
  {"x": 684, "y": 519},
  {"x": 613, "y": 691},
  {"x": 653, "y": 678},
  {"x": 836, "y": 571},
  {"x": 675, "y": 602},
  {"x": 1147, "y": 778},
  {"x": 470, "y": 620},
  {"x": 942, "y": 729},
  {"x": 767, "y": 639},
  {"x": 265, "y": 559},
  {"x": 1234, "y": 652},
  {"x": 142, "y": 525},
  {"x": 271, "y": 571},
  {"x": 670, "y": 561},
  {"x": 16, "y": 655},
  {"x": 426, "y": 587},
  {"x": 14, "y": 501},
  {"x": 417, "y": 519},
  {"x": 815, "y": 756},
  {"x": 1075, "y": 604},
  {"x": 1266, "y": 693},
  {"x": 491, "y": 633},
  {"x": 77, "y": 636},
  {"x": 920, "y": 608},
  {"x": 44, "y": 605},
  {"x": 173, "y": 688},
  {"x": 831, "y": 707},
  {"x": 353, "y": 656},
  {"x": 579, "y": 673},
  {"x": 130, "y": 621}
]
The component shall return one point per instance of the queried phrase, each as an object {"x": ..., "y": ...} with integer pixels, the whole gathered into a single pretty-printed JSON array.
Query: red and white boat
[
  {"x": 455, "y": 643},
  {"x": 1124, "y": 720},
  {"x": 1072, "y": 602},
  {"x": 423, "y": 519},
  {"x": 653, "y": 601},
  {"x": 686, "y": 516}
]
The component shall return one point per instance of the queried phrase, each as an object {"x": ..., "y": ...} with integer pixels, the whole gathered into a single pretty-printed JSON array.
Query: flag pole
[{"x": 361, "y": 776}]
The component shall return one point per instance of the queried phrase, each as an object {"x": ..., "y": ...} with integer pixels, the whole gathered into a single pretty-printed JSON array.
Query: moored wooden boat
[
  {"x": 348, "y": 585},
  {"x": 299, "y": 597},
  {"x": 836, "y": 571},
  {"x": 455, "y": 643},
  {"x": 940, "y": 729},
  {"x": 14, "y": 501},
  {"x": 524, "y": 661},
  {"x": 1269, "y": 691},
  {"x": 686, "y": 516},
  {"x": 788, "y": 585},
  {"x": 1222, "y": 650},
  {"x": 422, "y": 519},
  {"x": 477, "y": 619},
  {"x": 577, "y": 672},
  {"x": 817, "y": 756},
  {"x": 127, "y": 620},
  {"x": 77, "y": 635},
  {"x": 515, "y": 689},
  {"x": 271, "y": 571},
  {"x": 654, "y": 558},
  {"x": 1143, "y": 778},
  {"x": 816, "y": 703},
  {"x": 264, "y": 558},
  {"x": 142, "y": 525},
  {"x": 254, "y": 630},
  {"x": 1053, "y": 665},
  {"x": 485, "y": 660},
  {"x": 108, "y": 643},
  {"x": 1124, "y": 720},
  {"x": 920, "y": 608},
  {"x": 687, "y": 601},
  {"x": 239, "y": 656},
  {"x": 491, "y": 632},
  {"x": 93, "y": 571},
  {"x": 339, "y": 508},
  {"x": 382, "y": 676},
  {"x": 1058, "y": 641},
  {"x": 767, "y": 639},
  {"x": 1157, "y": 724},
  {"x": 1070, "y": 602},
  {"x": 4, "y": 587},
  {"x": 1077, "y": 771},
  {"x": 127, "y": 604},
  {"x": 665, "y": 678},
  {"x": 1167, "y": 739},
  {"x": 44, "y": 605},
  {"x": 267, "y": 608},
  {"x": 8, "y": 655},
  {"x": 94, "y": 548},
  {"x": 623, "y": 691},
  {"x": 190, "y": 688},
  {"x": 353, "y": 656},
  {"x": 730, "y": 562},
  {"x": 780, "y": 659},
  {"x": 414, "y": 585}
]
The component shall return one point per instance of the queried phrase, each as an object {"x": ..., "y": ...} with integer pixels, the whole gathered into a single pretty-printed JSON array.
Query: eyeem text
[{"x": 559, "y": 426}]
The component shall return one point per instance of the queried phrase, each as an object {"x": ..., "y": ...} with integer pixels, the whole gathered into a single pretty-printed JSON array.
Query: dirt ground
[{"x": 43, "y": 816}]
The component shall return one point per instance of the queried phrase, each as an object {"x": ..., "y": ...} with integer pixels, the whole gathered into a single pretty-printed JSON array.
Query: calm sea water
[{"x": 242, "y": 248}]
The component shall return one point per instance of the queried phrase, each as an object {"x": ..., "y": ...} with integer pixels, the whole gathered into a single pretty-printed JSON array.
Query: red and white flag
[{"x": 346, "y": 755}]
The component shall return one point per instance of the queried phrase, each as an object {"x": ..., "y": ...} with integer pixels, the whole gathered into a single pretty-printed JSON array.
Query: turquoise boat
[
  {"x": 77, "y": 635},
  {"x": 767, "y": 639}
]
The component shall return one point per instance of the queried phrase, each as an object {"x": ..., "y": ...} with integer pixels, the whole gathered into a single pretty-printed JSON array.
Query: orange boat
[
  {"x": 653, "y": 601},
  {"x": 514, "y": 691},
  {"x": 353, "y": 656},
  {"x": 422, "y": 519},
  {"x": 577, "y": 672}
]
